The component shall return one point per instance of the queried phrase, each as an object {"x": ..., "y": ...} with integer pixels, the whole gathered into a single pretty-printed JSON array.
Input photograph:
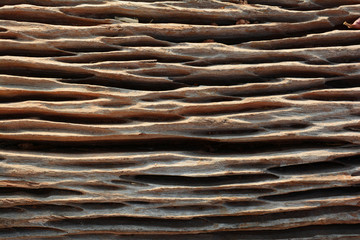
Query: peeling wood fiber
[{"x": 179, "y": 119}]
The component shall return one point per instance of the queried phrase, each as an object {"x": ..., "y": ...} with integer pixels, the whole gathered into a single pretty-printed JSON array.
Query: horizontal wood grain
[{"x": 179, "y": 119}]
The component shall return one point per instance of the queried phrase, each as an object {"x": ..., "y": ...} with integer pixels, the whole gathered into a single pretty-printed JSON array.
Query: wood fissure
[{"x": 145, "y": 119}]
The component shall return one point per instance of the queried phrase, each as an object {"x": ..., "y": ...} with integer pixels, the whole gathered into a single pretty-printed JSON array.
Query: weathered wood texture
[{"x": 184, "y": 125}]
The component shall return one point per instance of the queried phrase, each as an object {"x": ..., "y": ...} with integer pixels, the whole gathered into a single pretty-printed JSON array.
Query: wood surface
[{"x": 196, "y": 119}]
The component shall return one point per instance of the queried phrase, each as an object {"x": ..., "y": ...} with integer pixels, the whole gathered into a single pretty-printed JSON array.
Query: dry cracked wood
[{"x": 179, "y": 119}]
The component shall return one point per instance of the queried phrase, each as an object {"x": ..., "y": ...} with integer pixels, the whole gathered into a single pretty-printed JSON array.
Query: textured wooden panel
[{"x": 179, "y": 119}]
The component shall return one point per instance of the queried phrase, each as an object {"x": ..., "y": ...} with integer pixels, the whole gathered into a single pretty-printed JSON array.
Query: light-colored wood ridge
[{"x": 179, "y": 119}]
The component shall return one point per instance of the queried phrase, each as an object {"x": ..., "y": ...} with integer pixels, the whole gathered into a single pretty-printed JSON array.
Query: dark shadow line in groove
[
  {"x": 89, "y": 48},
  {"x": 288, "y": 126},
  {"x": 11, "y": 210},
  {"x": 207, "y": 99},
  {"x": 309, "y": 73},
  {"x": 97, "y": 164},
  {"x": 100, "y": 205},
  {"x": 200, "y": 181},
  {"x": 96, "y": 58},
  {"x": 28, "y": 231},
  {"x": 50, "y": 207},
  {"x": 260, "y": 107},
  {"x": 8, "y": 36},
  {"x": 308, "y": 168},
  {"x": 84, "y": 119},
  {"x": 65, "y": 118},
  {"x": 194, "y": 207},
  {"x": 34, "y": 53},
  {"x": 219, "y": 80},
  {"x": 273, "y": 92},
  {"x": 169, "y": 144},
  {"x": 327, "y": 97},
  {"x": 143, "y": 203},
  {"x": 37, "y": 192},
  {"x": 314, "y": 193},
  {"x": 352, "y": 128},
  {"x": 349, "y": 160},
  {"x": 48, "y": 97},
  {"x": 244, "y": 203},
  {"x": 344, "y": 59},
  {"x": 343, "y": 82},
  {"x": 46, "y": 73},
  {"x": 102, "y": 187},
  {"x": 126, "y": 84},
  {"x": 238, "y": 191},
  {"x": 252, "y": 60},
  {"x": 157, "y": 117}
]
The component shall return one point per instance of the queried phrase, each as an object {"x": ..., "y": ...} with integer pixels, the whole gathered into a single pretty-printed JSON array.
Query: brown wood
[{"x": 179, "y": 119}]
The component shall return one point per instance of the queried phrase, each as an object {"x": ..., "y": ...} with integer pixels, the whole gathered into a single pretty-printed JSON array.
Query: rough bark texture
[{"x": 179, "y": 120}]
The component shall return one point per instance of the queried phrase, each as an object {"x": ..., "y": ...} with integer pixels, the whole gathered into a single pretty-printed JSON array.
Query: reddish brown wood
[{"x": 179, "y": 119}]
